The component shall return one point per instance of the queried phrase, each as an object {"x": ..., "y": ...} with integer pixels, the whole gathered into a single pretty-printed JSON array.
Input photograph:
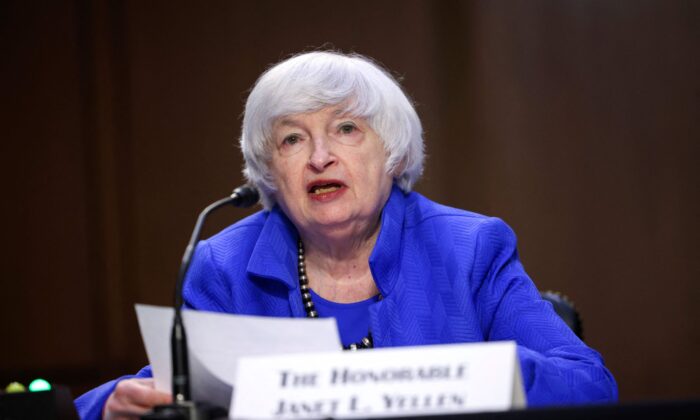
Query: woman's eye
[
  {"x": 291, "y": 140},
  {"x": 347, "y": 128},
  {"x": 291, "y": 144}
]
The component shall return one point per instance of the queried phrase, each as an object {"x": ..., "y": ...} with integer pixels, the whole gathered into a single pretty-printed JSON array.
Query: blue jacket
[{"x": 446, "y": 275}]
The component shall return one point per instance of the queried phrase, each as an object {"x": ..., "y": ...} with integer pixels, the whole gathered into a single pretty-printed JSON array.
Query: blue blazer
[{"x": 446, "y": 276}]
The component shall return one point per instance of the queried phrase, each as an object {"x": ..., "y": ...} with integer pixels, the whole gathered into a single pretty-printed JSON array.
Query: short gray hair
[{"x": 311, "y": 81}]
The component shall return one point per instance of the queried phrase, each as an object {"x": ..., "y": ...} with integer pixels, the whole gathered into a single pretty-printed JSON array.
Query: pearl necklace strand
[{"x": 365, "y": 343}]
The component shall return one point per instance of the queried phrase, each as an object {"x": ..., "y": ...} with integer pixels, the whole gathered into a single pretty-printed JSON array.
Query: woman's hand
[{"x": 133, "y": 397}]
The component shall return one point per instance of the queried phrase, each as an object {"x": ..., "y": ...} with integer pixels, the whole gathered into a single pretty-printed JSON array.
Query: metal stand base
[{"x": 187, "y": 410}]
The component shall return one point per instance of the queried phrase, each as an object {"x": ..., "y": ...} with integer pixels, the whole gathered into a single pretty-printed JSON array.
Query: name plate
[{"x": 382, "y": 382}]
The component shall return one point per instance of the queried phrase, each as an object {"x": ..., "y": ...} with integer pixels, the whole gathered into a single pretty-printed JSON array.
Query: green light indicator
[
  {"x": 39, "y": 385},
  {"x": 15, "y": 387}
]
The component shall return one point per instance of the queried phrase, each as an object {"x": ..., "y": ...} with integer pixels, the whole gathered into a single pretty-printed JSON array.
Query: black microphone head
[{"x": 245, "y": 196}]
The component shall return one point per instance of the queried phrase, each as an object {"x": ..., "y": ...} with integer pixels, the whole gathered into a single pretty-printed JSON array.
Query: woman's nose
[{"x": 321, "y": 156}]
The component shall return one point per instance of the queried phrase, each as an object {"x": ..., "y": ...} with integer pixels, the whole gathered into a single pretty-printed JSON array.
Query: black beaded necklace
[{"x": 365, "y": 343}]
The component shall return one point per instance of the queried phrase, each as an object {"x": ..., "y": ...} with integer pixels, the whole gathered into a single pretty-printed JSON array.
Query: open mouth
[{"x": 319, "y": 189}]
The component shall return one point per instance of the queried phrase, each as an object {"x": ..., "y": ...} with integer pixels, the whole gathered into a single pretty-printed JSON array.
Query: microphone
[
  {"x": 183, "y": 407},
  {"x": 245, "y": 196}
]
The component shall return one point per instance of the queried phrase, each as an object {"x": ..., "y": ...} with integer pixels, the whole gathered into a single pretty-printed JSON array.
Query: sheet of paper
[{"x": 216, "y": 341}]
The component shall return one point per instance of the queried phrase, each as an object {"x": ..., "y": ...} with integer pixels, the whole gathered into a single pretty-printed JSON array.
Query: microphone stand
[{"x": 183, "y": 407}]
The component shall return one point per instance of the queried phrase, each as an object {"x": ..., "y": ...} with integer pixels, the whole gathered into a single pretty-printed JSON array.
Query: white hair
[{"x": 311, "y": 81}]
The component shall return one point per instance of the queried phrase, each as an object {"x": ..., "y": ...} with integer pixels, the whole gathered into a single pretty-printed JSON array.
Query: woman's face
[{"x": 329, "y": 170}]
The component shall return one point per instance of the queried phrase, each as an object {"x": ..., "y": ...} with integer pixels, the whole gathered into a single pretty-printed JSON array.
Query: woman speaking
[{"x": 334, "y": 146}]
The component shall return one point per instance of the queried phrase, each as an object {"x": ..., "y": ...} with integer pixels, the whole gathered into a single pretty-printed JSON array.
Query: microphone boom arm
[{"x": 244, "y": 196}]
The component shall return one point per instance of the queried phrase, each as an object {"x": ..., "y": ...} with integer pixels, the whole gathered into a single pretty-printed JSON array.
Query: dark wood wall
[{"x": 576, "y": 122}]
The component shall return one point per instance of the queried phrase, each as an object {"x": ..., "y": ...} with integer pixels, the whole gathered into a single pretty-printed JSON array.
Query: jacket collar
[
  {"x": 385, "y": 258},
  {"x": 274, "y": 256}
]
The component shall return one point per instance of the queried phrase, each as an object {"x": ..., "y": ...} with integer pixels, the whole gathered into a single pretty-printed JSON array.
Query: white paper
[
  {"x": 386, "y": 382},
  {"x": 216, "y": 341}
]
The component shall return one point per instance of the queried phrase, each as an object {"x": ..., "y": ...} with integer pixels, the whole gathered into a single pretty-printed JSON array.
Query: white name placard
[{"x": 383, "y": 382}]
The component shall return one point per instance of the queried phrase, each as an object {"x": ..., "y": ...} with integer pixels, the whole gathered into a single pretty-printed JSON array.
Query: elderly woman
[{"x": 335, "y": 146}]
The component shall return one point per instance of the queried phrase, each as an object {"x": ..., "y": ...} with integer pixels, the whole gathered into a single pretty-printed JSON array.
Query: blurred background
[{"x": 576, "y": 121}]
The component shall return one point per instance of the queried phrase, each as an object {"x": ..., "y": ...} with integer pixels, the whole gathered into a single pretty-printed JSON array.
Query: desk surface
[{"x": 646, "y": 410}]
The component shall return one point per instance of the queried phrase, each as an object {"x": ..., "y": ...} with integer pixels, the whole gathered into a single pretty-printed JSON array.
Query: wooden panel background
[{"x": 576, "y": 122}]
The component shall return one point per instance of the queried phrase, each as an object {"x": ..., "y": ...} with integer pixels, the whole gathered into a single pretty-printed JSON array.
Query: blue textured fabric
[
  {"x": 446, "y": 275},
  {"x": 352, "y": 318}
]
